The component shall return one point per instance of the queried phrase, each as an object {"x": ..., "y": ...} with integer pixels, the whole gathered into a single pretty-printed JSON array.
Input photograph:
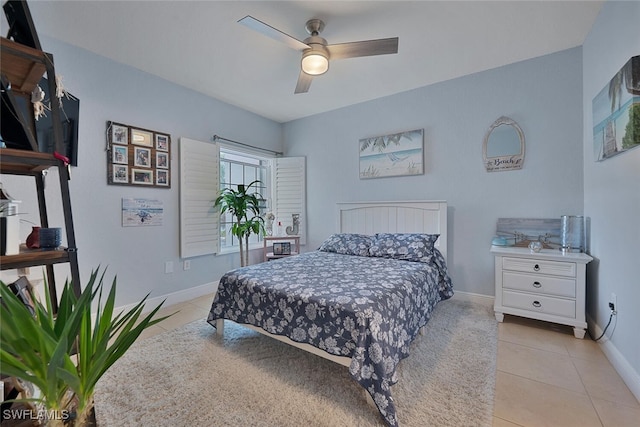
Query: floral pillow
[
  {"x": 405, "y": 246},
  {"x": 347, "y": 244}
]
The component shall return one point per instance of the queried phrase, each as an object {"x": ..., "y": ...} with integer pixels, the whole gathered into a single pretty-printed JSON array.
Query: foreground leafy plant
[{"x": 40, "y": 348}]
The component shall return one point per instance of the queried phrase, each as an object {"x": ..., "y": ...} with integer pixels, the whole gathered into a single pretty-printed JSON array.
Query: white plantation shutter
[
  {"x": 289, "y": 189},
  {"x": 199, "y": 187}
]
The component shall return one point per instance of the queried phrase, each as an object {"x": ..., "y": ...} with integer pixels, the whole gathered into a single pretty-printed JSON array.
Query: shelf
[
  {"x": 25, "y": 162},
  {"x": 34, "y": 257},
  {"x": 23, "y": 66}
]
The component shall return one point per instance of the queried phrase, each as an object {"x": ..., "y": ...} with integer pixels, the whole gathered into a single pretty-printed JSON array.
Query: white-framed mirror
[{"x": 503, "y": 146}]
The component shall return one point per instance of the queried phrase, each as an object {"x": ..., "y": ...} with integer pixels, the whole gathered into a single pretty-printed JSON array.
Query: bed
[{"x": 359, "y": 300}]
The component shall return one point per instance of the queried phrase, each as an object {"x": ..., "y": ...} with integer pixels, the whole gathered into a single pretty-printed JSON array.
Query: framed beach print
[
  {"x": 616, "y": 113},
  {"x": 398, "y": 154},
  {"x": 138, "y": 156}
]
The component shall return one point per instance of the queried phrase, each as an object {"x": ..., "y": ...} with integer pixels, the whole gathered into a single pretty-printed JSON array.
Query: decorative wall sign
[
  {"x": 141, "y": 212},
  {"x": 399, "y": 154},
  {"x": 616, "y": 113},
  {"x": 137, "y": 156},
  {"x": 503, "y": 146}
]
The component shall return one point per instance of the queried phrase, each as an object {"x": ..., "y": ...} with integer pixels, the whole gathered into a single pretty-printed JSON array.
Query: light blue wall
[
  {"x": 543, "y": 95},
  {"x": 612, "y": 195},
  {"x": 111, "y": 91}
]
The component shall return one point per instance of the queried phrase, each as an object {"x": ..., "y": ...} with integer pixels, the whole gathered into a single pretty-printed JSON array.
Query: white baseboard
[
  {"x": 617, "y": 360},
  {"x": 175, "y": 297},
  {"x": 485, "y": 300}
]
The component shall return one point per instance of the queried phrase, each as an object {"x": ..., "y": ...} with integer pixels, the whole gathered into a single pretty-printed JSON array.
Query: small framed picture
[
  {"x": 120, "y": 155},
  {"x": 121, "y": 174},
  {"x": 141, "y": 176},
  {"x": 141, "y": 137},
  {"x": 119, "y": 134},
  {"x": 142, "y": 157},
  {"x": 162, "y": 177},
  {"x": 162, "y": 160},
  {"x": 162, "y": 142},
  {"x": 282, "y": 248}
]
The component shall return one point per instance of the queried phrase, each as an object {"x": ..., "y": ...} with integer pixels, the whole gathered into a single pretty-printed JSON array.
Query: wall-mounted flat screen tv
[
  {"x": 69, "y": 115},
  {"x": 21, "y": 112}
]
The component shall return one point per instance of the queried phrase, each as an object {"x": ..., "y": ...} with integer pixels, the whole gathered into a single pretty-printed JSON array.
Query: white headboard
[{"x": 395, "y": 217}]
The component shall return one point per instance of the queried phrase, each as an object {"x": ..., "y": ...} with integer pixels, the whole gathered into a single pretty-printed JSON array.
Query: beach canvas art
[
  {"x": 616, "y": 113},
  {"x": 399, "y": 154}
]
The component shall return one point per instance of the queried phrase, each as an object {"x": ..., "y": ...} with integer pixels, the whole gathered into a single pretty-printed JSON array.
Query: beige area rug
[{"x": 191, "y": 377}]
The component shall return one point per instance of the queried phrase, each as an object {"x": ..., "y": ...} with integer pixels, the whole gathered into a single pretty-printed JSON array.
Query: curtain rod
[{"x": 219, "y": 138}]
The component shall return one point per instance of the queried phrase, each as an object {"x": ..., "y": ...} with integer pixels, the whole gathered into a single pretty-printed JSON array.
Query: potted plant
[
  {"x": 244, "y": 207},
  {"x": 64, "y": 354}
]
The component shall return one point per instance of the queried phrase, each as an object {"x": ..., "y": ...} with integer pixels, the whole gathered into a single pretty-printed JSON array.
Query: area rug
[{"x": 191, "y": 377}]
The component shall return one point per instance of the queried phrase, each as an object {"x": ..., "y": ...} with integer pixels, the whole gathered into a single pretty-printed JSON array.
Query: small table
[{"x": 268, "y": 256}]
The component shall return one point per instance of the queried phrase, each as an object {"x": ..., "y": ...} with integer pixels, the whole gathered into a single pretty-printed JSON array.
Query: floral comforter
[{"x": 367, "y": 308}]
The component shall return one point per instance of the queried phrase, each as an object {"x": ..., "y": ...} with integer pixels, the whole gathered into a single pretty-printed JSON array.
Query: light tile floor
[{"x": 545, "y": 376}]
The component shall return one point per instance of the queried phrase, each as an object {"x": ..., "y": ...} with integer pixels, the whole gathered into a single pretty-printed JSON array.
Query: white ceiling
[{"x": 200, "y": 45}]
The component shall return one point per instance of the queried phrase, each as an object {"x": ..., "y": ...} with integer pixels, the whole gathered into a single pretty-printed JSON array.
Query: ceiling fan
[{"x": 316, "y": 53}]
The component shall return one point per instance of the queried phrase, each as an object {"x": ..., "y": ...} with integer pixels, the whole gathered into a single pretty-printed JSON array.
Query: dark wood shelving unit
[{"x": 22, "y": 68}]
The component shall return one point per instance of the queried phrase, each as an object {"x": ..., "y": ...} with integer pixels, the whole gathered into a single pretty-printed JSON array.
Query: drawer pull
[
  {"x": 537, "y": 284},
  {"x": 536, "y": 267},
  {"x": 536, "y": 304}
]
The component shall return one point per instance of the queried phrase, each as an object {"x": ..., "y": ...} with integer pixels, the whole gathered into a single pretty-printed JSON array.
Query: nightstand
[
  {"x": 546, "y": 285},
  {"x": 268, "y": 256}
]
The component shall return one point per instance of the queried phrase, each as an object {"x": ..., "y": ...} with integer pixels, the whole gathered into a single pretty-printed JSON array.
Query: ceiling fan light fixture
[{"x": 315, "y": 62}]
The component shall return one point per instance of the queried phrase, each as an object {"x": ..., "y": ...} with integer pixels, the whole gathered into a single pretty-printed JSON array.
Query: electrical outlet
[
  {"x": 186, "y": 264},
  {"x": 168, "y": 267},
  {"x": 613, "y": 300}
]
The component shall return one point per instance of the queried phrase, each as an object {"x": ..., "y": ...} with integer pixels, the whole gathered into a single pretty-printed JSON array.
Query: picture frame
[
  {"x": 142, "y": 176},
  {"x": 141, "y": 137},
  {"x": 120, "y": 155},
  {"x": 162, "y": 177},
  {"x": 398, "y": 154},
  {"x": 121, "y": 174},
  {"x": 138, "y": 156},
  {"x": 162, "y": 160},
  {"x": 282, "y": 248},
  {"x": 162, "y": 142},
  {"x": 142, "y": 157},
  {"x": 139, "y": 212},
  {"x": 119, "y": 134},
  {"x": 616, "y": 113}
]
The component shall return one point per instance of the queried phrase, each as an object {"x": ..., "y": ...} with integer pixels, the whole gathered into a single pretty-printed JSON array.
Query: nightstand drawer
[
  {"x": 567, "y": 269},
  {"x": 540, "y": 304},
  {"x": 539, "y": 284}
]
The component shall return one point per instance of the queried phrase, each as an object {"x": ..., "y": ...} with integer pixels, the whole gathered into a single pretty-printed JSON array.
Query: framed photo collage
[{"x": 137, "y": 156}]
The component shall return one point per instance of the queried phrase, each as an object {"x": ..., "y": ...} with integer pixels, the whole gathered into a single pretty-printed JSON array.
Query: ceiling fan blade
[
  {"x": 304, "y": 81},
  {"x": 274, "y": 33},
  {"x": 363, "y": 48}
]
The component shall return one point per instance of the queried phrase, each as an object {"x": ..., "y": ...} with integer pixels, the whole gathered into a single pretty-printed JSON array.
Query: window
[
  {"x": 206, "y": 168},
  {"x": 241, "y": 168}
]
